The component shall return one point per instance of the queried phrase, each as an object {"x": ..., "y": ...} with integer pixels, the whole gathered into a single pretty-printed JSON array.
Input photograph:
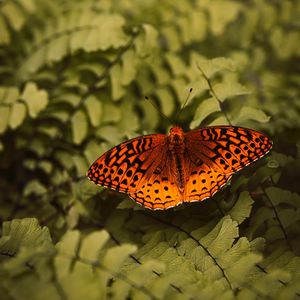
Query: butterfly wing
[
  {"x": 138, "y": 167},
  {"x": 216, "y": 153},
  {"x": 227, "y": 149},
  {"x": 203, "y": 182},
  {"x": 159, "y": 189},
  {"x": 123, "y": 166}
]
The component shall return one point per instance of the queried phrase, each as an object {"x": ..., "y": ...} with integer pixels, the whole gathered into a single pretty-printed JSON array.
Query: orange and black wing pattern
[
  {"x": 216, "y": 153},
  {"x": 125, "y": 165},
  {"x": 227, "y": 149}
]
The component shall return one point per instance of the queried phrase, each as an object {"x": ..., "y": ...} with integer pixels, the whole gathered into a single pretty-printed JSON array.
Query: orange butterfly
[{"x": 161, "y": 171}]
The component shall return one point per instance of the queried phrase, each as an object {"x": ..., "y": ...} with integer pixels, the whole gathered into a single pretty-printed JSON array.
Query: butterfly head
[{"x": 176, "y": 135}]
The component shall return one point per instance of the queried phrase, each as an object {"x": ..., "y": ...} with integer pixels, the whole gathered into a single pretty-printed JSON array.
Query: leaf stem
[
  {"x": 277, "y": 217},
  {"x": 214, "y": 94}
]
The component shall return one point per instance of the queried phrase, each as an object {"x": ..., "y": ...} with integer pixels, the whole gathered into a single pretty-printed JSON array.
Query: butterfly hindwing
[
  {"x": 203, "y": 182},
  {"x": 158, "y": 191}
]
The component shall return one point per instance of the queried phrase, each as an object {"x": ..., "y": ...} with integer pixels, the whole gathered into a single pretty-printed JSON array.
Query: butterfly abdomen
[
  {"x": 176, "y": 159},
  {"x": 176, "y": 150}
]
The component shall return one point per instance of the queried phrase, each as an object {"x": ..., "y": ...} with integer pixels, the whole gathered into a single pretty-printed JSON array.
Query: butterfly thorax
[
  {"x": 176, "y": 152},
  {"x": 176, "y": 136}
]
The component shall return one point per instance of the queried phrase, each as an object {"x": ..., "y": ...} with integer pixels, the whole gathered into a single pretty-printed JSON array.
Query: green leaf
[
  {"x": 250, "y": 113},
  {"x": 242, "y": 208},
  {"x": 129, "y": 64},
  {"x": 80, "y": 163},
  {"x": 73, "y": 271},
  {"x": 221, "y": 237},
  {"x": 23, "y": 233},
  {"x": 110, "y": 31},
  {"x": 236, "y": 252},
  {"x": 111, "y": 113},
  {"x": 35, "y": 99},
  {"x": 27, "y": 245},
  {"x": 243, "y": 267},
  {"x": 218, "y": 19},
  {"x": 279, "y": 159},
  {"x": 86, "y": 190},
  {"x": 171, "y": 35},
  {"x": 287, "y": 206},
  {"x": 92, "y": 244},
  {"x": 212, "y": 66},
  {"x": 45, "y": 165},
  {"x": 229, "y": 89},
  {"x": 4, "y": 32},
  {"x": 268, "y": 285},
  {"x": 280, "y": 196},
  {"x": 34, "y": 187},
  {"x": 94, "y": 109},
  {"x": 166, "y": 100},
  {"x": 8, "y": 95},
  {"x": 221, "y": 120},
  {"x": 176, "y": 64},
  {"x": 104, "y": 31},
  {"x": 69, "y": 243},
  {"x": 14, "y": 15},
  {"x": 148, "y": 267},
  {"x": 111, "y": 134},
  {"x": 147, "y": 40},
  {"x": 207, "y": 107},
  {"x": 4, "y": 118},
  {"x": 79, "y": 126},
  {"x": 58, "y": 48},
  {"x": 17, "y": 115},
  {"x": 129, "y": 122},
  {"x": 93, "y": 150},
  {"x": 198, "y": 25},
  {"x": 116, "y": 256},
  {"x": 116, "y": 77}
]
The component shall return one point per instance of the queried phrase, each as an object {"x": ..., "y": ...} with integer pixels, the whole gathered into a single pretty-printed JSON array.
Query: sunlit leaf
[
  {"x": 35, "y": 99},
  {"x": 207, "y": 107},
  {"x": 4, "y": 32},
  {"x": 4, "y": 118},
  {"x": 226, "y": 90},
  {"x": 147, "y": 40},
  {"x": 250, "y": 113},
  {"x": 79, "y": 126},
  {"x": 17, "y": 115},
  {"x": 94, "y": 108}
]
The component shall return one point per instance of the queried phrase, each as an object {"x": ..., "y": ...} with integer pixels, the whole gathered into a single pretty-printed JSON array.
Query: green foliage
[{"x": 73, "y": 76}]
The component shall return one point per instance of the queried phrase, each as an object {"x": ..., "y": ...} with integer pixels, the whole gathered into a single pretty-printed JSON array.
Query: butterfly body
[
  {"x": 161, "y": 171},
  {"x": 176, "y": 156}
]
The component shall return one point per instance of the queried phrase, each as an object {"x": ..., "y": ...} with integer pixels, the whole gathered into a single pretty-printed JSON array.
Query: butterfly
[{"x": 161, "y": 171}]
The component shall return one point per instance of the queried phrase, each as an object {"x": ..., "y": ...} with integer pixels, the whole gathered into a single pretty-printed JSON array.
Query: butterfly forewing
[
  {"x": 227, "y": 149},
  {"x": 123, "y": 167}
]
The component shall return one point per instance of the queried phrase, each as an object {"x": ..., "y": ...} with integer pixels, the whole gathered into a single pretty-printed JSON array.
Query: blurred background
[{"x": 73, "y": 77}]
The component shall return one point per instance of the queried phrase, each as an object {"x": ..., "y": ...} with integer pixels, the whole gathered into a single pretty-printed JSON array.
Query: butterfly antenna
[
  {"x": 184, "y": 104},
  {"x": 159, "y": 110}
]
